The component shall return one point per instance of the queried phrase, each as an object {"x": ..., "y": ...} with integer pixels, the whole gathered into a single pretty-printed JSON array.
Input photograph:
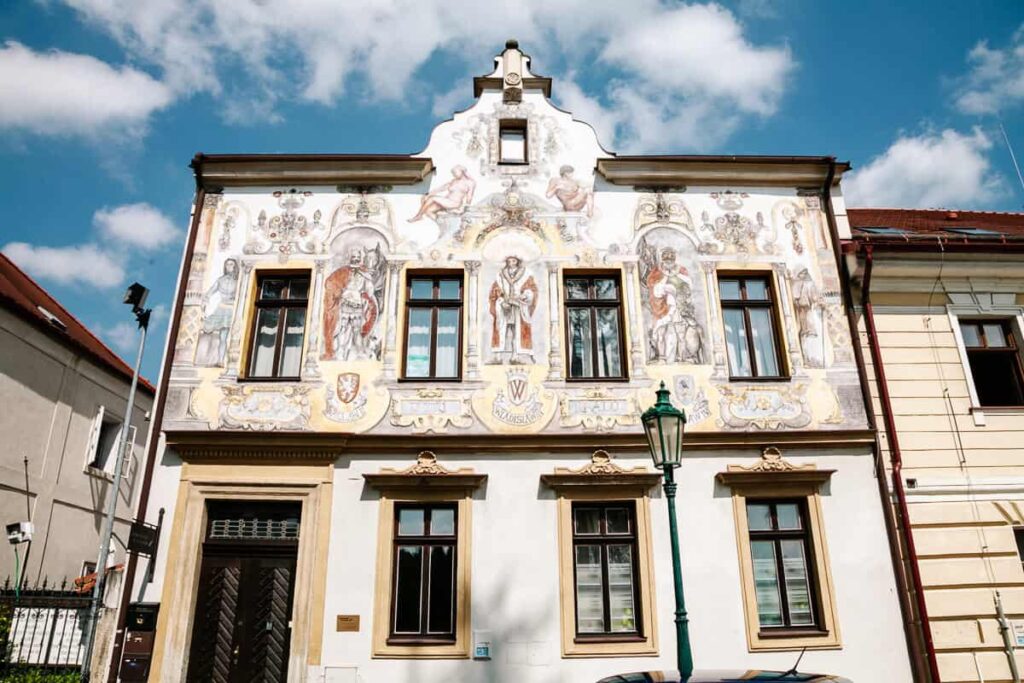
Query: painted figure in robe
[
  {"x": 452, "y": 197},
  {"x": 218, "y": 310},
  {"x": 513, "y": 300},
  {"x": 572, "y": 195},
  {"x": 352, "y": 304},
  {"x": 807, "y": 301},
  {"x": 676, "y": 335}
]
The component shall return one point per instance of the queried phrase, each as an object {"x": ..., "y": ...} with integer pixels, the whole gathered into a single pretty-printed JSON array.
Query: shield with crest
[
  {"x": 348, "y": 386},
  {"x": 517, "y": 387}
]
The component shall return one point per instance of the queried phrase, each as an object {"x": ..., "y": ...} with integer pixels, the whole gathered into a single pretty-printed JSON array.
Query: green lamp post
[{"x": 664, "y": 425}]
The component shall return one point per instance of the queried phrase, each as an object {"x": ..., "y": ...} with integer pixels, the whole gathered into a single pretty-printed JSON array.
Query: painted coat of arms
[
  {"x": 346, "y": 401},
  {"x": 517, "y": 403}
]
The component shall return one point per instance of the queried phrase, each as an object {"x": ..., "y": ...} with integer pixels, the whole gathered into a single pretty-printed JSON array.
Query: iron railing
[{"x": 42, "y": 627}]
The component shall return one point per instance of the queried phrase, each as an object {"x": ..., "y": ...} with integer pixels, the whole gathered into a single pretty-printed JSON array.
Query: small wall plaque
[{"x": 348, "y": 622}]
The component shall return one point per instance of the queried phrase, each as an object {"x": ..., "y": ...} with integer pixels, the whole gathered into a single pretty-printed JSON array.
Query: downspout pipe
[{"x": 895, "y": 456}]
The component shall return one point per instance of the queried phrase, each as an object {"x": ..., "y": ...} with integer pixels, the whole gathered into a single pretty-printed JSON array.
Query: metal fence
[{"x": 42, "y": 627}]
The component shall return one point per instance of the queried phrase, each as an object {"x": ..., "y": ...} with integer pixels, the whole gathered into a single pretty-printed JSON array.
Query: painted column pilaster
[
  {"x": 473, "y": 345},
  {"x": 237, "y": 321},
  {"x": 714, "y": 307},
  {"x": 192, "y": 303},
  {"x": 636, "y": 333},
  {"x": 554, "y": 347},
  {"x": 311, "y": 370},
  {"x": 391, "y": 339}
]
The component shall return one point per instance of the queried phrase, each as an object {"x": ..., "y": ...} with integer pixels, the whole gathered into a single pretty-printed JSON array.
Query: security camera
[{"x": 19, "y": 532}]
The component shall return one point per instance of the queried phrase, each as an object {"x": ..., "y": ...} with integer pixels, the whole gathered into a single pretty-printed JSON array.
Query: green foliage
[{"x": 39, "y": 676}]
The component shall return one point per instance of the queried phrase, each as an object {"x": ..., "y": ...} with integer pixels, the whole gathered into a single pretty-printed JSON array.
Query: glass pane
[
  {"x": 581, "y": 364},
  {"x": 736, "y": 341},
  {"x": 764, "y": 342},
  {"x": 617, "y": 520},
  {"x": 994, "y": 337},
  {"x": 442, "y": 522},
  {"x": 759, "y": 517},
  {"x": 513, "y": 144},
  {"x": 422, "y": 289},
  {"x": 757, "y": 290},
  {"x": 266, "y": 341},
  {"x": 298, "y": 289},
  {"x": 577, "y": 289},
  {"x": 417, "y": 352},
  {"x": 273, "y": 289},
  {"x": 408, "y": 584},
  {"x": 291, "y": 352},
  {"x": 605, "y": 288},
  {"x": 589, "y": 594},
  {"x": 447, "y": 364},
  {"x": 449, "y": 289},
  {"x": 620, "y": 588},
  {"x": 587, "y": 520},
  {"x": 798, "y": 591},
  {"x": 440, "y": 600},
  {"x": 766, "y": 583},
  {"x": 971, "y": 334},
  {"x": 788, "y": 515},
  {"x": 729, "y": 289},
  {"x": 609, "y": 356},
  {"x": 410, "y": 522}
]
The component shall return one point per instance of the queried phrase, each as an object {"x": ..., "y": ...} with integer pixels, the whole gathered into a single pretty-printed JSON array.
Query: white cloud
[
  {"x": 944, "y": 169},
  {"x": 122, "y": 336},
  {"x": 691, "y": 63},
  {"x": 71, "y": 94},
  {"x": 138, "y": 225},
  {"x": 996, "y": 79},
  {"x": 88, "y": 264}
]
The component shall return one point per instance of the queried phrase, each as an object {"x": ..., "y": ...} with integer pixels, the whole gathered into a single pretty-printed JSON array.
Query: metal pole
[
  {"x": 683, "y": 653},
  {"x": 108, "y": 521},
  {"x": 1005, "y": 632}
]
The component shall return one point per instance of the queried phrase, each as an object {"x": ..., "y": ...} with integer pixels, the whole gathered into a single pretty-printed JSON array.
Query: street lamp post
[
  {"x": 664, "y": 425},
  {"x": 136, "y": 298}
]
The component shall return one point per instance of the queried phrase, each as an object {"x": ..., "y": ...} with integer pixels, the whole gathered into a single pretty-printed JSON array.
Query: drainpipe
[
  {"x": 896, "y": 458},
  {"x": 1004, "y": 630}
]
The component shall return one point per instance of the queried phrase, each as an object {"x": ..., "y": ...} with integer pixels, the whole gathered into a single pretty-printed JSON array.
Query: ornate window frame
[
  {"x": 774, "y": 477},
  {"x": 603, "y": 480},
  {"x": 424, "y": 482}
]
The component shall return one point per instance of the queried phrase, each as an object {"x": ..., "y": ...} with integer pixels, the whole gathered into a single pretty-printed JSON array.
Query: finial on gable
[{"x": 512, "y": 75}]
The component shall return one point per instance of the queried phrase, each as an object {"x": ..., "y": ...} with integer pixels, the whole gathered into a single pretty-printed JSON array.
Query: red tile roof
[
  {"x": 23, "y": 295},
  {"x": 932, "y": 221}
]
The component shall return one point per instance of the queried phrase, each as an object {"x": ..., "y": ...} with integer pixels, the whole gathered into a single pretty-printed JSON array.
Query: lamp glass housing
[{"x": 664, "y": 425}]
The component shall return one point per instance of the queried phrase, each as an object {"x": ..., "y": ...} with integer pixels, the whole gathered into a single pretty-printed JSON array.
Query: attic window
[
  {"x": 512, "y": 147},
  {"x": 52, "y": 319},
  {"x": 977, "y": 232},
  {"x": 883, "y": 231}
]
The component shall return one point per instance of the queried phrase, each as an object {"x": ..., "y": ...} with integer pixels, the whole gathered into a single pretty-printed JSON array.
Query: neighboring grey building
[{"x": 63, "y": 395}]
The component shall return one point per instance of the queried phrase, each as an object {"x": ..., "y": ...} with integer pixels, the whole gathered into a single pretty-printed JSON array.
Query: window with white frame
[
  {"x": 993, "y": 357},
  {"x": 104, "y": 440}
]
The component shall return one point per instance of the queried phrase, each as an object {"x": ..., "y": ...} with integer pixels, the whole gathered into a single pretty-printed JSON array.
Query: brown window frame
[
  {"x": 514, "y": 125},
  {"x": 1011, "y": 349},
  {"x": 424, "y": 541},
  {"x": 283, "y": 304},
  {"x": 771, "y": 303},
  {"x": 805, "y": 535},
  {"x": 434, "y": 304},
  {"x": 593, "y": 304},
  {"x": 604, "y": 540}
]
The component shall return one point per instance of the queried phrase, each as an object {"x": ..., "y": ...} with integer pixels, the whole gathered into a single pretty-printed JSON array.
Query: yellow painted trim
[
  {"x": 310, "y": 485},
  {"x": 383, "y": 588},
  {"x": 829, "y": 639},
  {"x": 567, "y": 594}
]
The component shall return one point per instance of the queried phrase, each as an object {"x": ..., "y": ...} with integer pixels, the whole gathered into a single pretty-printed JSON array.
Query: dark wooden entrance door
[{"x": 241, "y": 628}]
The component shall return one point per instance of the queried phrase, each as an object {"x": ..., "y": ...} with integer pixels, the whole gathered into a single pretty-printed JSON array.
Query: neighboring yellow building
[{"x": 940, "y": 302}]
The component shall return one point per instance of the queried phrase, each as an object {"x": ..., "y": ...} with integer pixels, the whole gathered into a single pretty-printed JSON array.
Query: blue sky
[{"x": 106, "y": 101}]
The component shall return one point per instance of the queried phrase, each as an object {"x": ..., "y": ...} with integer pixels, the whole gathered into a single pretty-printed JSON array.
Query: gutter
[
  {"x": 911, "y": 631},
  {"x": 154, "y": 430},
  {"x": 897, "y": 465}
]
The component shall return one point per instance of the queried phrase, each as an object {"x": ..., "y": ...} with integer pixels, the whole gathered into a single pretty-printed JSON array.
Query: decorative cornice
[
  {"x": 772, "y": 468},
  {"x": 697, "y": 170},
  {"x": 601, "y": 471},
  {"x": 217, "y": 171},
  {"x": 425, "y": 472}
]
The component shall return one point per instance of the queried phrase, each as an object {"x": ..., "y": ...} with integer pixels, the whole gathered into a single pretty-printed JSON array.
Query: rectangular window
[
  {"x": 512, "y": 147},
  {"x": 1018, "y": 536},
  {"x": 279, "y": 326},
  {"x": 106, "y": 445},
  {"x": 423, "y": 600},
  {"x": 605, "y": 569},
  {"x": 593, "y": 313},
  {"x": 780, "y": 550},
  {"x": 751, "y": 337},
  {"x": 994, "y": 358},
  {"x": 433, "y": 327}
]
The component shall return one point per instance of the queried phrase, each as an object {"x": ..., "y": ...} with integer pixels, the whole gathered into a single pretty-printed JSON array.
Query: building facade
[
  {"x": 940, "y": 305},
  {"x": 64, "y": 395},
  {"x": 400, "y": 440}
]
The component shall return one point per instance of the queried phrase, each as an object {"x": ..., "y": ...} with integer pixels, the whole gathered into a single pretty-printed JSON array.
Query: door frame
[{"x": 311, "y": 485}]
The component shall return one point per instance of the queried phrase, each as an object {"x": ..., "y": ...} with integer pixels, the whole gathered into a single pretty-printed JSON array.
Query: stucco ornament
[
  {"x": 661, "y": 208},
  {"x": 598, "y": 410},
  {"x": 289, "y": 232},
  {"x": 601, "y": 465},
  {"x": 771, "y": 461},
  {"x": 265, "y": 408},
  {"x": 693, "y": 399},
  {"x": 426, "y": 466},
  {"x": 431, "y": 410},
  {"x": 764, "y": 408},
  {"x": 518, "y": 403}
]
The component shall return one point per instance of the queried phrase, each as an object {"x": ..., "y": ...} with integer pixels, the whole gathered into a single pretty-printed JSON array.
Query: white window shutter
[
  {"x": 94, "y": 437},
  {"x": 129, "y": 454}
]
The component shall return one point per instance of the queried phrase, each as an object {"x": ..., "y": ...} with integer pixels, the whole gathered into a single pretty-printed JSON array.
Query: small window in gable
[{"x": 512, "y": 147}]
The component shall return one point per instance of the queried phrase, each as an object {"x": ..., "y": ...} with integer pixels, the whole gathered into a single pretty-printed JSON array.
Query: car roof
[{"x": 738, "y": 676}]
